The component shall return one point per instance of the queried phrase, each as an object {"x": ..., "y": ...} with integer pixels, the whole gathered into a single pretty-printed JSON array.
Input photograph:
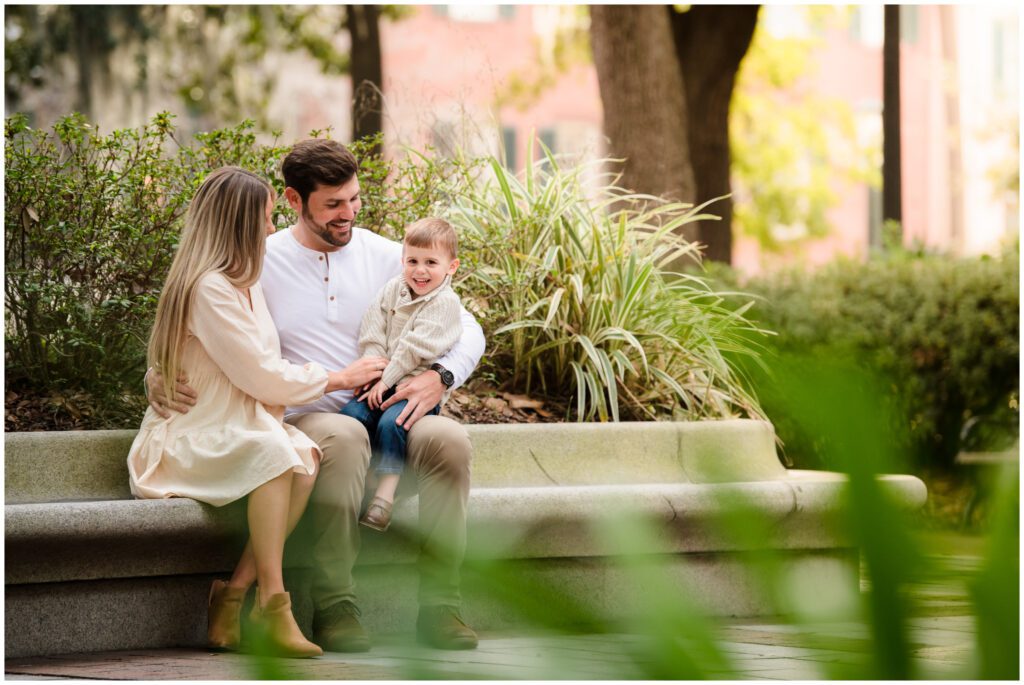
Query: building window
[
  {"x": 867, "y": 25},
  {"x": 1005, "y": 66},
  {"x": 785, "y": 21},
  {"x": 997, "y": 63},
  {"x": 475, "y": 13},
  {"x": 909, "y": 23},
  {"x": 874, "y": 218},
  {"x": 444, "y": 139},
  {"x": 547, "y": 136},
  {"x": 508, "y": 144}
]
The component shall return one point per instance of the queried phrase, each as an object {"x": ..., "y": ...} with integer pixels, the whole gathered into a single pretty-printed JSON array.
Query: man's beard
[{"x": 324, "y": 233}]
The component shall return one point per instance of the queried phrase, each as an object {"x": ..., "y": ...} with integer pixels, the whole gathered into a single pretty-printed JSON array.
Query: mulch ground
[
  {"x": 482, "y": 402},
  {"x": 477, "y": 402}
]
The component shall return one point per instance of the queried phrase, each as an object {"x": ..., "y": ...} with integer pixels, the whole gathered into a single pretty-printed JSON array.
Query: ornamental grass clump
[{"x": 578, "y": 283}]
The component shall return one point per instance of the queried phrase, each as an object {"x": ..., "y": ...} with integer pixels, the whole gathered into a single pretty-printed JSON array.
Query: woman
[{"x": 212, "y": 325}]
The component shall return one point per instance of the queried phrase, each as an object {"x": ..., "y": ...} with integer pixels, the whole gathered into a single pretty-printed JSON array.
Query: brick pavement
[
  {"x": 942, "y": 649},
  {"x": 942, "y": 637}
]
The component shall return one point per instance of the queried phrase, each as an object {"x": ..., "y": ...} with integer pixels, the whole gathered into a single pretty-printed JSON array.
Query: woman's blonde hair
[{"x": 225, "y": 232}]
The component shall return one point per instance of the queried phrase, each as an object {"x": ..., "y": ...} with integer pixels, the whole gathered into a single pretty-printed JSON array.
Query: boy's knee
[
  {"x": 360, "y": 411},
  {"x": 392, "y": 412}
]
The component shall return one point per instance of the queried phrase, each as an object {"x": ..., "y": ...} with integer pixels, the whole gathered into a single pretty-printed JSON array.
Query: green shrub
[
  {"x": 573, "y": 281},
  {"x": 396, "y": 191},
  {"x": 91, "y": 223},
  {"x": 944, "y": 331}
]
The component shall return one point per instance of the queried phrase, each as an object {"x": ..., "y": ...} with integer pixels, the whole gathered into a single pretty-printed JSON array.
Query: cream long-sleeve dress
[{"x": 234, "y": 439}]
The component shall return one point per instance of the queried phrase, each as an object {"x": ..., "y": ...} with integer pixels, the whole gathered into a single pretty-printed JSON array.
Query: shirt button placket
[{"x": 332, "y": 303}]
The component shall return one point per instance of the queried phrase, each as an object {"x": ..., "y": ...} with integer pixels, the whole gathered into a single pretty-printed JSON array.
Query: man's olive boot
[
  {"x": 441, "y": 627},
  {"x": 337, "y": 629}
]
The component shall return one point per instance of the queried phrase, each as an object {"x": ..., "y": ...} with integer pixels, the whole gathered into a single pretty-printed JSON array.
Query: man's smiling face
[{"x": 329, "y": 214}]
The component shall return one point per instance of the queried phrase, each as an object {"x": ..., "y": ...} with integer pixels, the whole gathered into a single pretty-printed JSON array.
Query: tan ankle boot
[
  {"x": 223, "y": 618},
  {"x": 279, "y": 633}
]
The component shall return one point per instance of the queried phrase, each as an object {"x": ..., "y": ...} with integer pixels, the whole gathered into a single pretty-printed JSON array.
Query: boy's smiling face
[{"x": 424, "y": 268}]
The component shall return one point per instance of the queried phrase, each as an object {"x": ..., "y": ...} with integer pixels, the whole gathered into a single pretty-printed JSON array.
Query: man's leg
[
  {"x": 334, "y": 514},
  {"x": 440, "y": 454}
]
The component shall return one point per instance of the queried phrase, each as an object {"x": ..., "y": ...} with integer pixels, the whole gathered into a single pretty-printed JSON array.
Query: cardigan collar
[{"x": 405, "y": 294}]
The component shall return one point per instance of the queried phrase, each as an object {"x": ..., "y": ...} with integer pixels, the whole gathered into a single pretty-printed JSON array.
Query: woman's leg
[
  {"x": 302, "y": 486},
  {"x": 268, "y": 528},
  {"x": 274, "y": 624}
]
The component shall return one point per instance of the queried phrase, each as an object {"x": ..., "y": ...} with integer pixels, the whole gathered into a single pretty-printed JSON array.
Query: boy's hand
[
  {"x": 185, "y": 396},
  {"x": 376, "y": 394}
]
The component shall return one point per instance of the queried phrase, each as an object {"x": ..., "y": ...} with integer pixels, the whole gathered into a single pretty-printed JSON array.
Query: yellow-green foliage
[{"x": 792, "y": 149}]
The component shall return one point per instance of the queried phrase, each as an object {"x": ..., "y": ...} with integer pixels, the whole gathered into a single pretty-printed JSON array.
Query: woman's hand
[{"x": 361, "y": 372}]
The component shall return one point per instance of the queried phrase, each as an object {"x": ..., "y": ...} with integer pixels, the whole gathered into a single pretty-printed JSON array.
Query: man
[{"x": 319, "y": 277}]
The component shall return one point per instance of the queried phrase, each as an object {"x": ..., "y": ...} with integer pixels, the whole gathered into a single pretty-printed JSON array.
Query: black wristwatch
[{"x": 447, "y": 377}]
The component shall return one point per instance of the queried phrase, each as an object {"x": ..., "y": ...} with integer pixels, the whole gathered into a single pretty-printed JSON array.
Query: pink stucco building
[
  {"x": 451, "y": 71},
  {"x": 489, "y": 77}
]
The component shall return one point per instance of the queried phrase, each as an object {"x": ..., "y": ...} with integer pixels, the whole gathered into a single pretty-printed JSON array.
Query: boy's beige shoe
[{"x": 378, "y": 515}]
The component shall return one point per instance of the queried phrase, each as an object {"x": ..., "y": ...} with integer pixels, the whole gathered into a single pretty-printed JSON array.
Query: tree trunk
[
  {"x": 366, "y": 70},
  {"x": 892, "y": 194},
  {"x": 89, "y": 21},
  {"x": 642, "y": 92},
  {"x": 711, "y": 41}
]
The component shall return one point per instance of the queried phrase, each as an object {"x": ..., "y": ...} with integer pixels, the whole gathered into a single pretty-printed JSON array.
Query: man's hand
[
  {"x": 424, "y": 392},
  {"x": 359, "y": 373},
  {"x": 185, "y": 396}
]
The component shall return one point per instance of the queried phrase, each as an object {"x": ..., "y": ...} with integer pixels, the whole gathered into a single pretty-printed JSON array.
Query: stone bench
[
  {"x": 88, "y": 568},
  {"x": 981, "y": 468}
]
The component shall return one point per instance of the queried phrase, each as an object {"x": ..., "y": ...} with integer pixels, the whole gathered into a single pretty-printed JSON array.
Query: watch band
[{"x": 447, "y": 377}]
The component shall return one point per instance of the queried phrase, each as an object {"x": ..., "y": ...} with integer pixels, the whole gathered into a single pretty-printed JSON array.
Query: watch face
[{"x": 447, "y": 377}]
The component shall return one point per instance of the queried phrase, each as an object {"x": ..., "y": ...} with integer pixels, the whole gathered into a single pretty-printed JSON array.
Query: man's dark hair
[{"x": 317, "y": 162}]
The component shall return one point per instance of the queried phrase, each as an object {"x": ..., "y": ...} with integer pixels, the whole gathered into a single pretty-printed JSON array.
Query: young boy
[{"x": 415, "y": 320}]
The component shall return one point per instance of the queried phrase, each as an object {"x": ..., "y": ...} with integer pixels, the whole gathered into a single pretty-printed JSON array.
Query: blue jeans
[{"x": 387, "y": 439}]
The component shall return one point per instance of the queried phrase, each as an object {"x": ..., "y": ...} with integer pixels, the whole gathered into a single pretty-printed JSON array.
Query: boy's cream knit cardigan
[{"x": 411, "y": 333}]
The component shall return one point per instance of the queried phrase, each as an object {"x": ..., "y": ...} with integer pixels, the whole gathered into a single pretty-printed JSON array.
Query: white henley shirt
[{"x": 317, "y": 300}]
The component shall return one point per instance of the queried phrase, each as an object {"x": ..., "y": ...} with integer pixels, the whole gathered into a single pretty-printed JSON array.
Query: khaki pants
[{"x": 437, "y": 466}]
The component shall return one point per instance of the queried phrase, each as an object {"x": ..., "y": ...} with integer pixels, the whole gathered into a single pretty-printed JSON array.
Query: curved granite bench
[{"x": 88, "y": 568}]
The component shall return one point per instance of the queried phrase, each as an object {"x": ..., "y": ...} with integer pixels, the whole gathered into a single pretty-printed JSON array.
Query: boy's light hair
[{"x": 431, "y": 232}]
